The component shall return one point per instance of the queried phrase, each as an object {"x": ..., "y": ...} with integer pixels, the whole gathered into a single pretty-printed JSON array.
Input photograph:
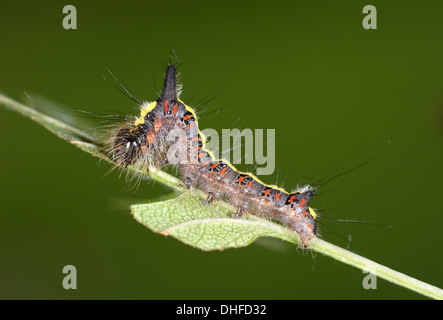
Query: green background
[{"x": 333, "y": 91}]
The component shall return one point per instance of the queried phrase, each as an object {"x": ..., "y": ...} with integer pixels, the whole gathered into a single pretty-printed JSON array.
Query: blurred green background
[{"x": 333, "y": 91}]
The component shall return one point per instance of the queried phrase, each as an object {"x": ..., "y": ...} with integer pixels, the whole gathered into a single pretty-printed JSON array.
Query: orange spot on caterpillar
[
  {"x": 157, "y": 125},
  {"x": 190, "y": 126},
  {"x": 277, "y": 196},
  {"x": 223, "y": 171},
  {"x": 267, "y": 191},
  {"x": 240, "y": 179},
  {"x": 250, "y": 184},
  {"x": 166, "y": 106},
  {"x": 187, "y": 117},
  {"x": 175, "y": 109},
  {"x": 305, "y": 212},
  {"x": 302, "y": 203},
  {"x": 195, "y": 149},
  {"x": 205, "y": 163},
  {"x": 150, "y": 137},
  {"x": 195, "y": 139}
]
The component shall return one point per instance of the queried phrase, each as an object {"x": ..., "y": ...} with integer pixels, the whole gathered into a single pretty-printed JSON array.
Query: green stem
[
  {"x": 376, "y": 269},
  {"x": 86, "y": 143}
]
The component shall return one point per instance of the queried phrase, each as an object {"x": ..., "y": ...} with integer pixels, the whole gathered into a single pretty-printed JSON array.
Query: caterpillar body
[{"x": 166, "y": 132}]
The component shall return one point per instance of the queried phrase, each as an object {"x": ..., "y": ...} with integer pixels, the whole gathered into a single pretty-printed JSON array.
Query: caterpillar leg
[
  {"x": 188, "y": 182},
  {"x": 164, "y": 162},
  {"x": 210, "y": 198},
  {"x": 304, "y": 244},
  {"x": 239, "y": 213}
]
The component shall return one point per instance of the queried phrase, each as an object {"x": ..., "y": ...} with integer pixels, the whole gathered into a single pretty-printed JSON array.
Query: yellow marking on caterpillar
[
  {"x": 145, "y": 109},
  {"x": 313, "y": 213}
]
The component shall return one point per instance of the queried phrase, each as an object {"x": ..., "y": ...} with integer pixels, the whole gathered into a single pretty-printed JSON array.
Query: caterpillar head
[{"x": 301, "y": 216}]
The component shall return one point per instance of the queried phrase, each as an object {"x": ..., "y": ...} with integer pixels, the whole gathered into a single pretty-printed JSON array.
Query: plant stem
[{"x": 376, "y": 269}]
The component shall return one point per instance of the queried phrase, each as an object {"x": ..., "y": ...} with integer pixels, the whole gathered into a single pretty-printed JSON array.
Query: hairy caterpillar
[{"x": 166, "y": 132}]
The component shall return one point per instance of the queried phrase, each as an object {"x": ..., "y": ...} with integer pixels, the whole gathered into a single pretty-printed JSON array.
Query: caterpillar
[{"x": 166, "y": 132}]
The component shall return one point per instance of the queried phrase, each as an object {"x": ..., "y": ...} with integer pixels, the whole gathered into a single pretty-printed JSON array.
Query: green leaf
[{"x": 206, "y": 227}]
